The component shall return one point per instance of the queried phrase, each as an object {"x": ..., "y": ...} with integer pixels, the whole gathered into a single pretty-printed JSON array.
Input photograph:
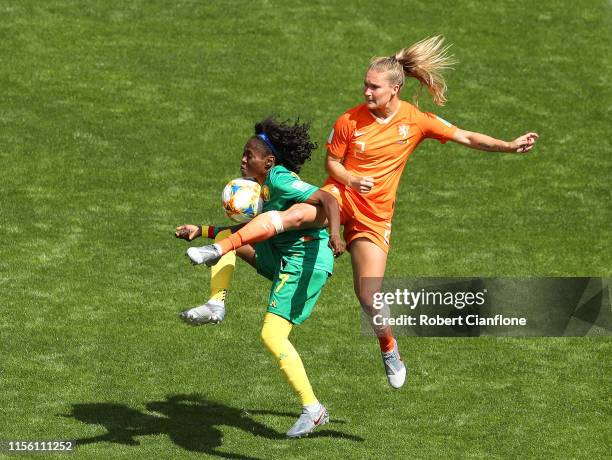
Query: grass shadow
[{"x": 191, "y": 421}]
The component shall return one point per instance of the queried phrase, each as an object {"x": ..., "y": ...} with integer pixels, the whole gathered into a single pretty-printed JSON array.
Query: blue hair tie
[{"x": 267, "y": 141}]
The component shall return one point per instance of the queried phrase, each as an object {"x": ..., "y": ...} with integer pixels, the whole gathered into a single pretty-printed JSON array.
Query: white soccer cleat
[
  {"x": 308, "y": 421},
  {"x": 209, "y": 313},
  {"x": 208, "y": 255},
  {"x": 394, "y": 367}
]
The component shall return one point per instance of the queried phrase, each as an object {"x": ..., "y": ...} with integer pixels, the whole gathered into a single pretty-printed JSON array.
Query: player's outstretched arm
[
  {"x": 479, "y": 141},
  {"x": 188, "y": 232}
]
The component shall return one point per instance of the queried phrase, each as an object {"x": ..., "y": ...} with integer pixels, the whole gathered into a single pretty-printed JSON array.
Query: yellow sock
[
  {"x": 221, "y": 274},
  {"x": 275, "y": 335}
]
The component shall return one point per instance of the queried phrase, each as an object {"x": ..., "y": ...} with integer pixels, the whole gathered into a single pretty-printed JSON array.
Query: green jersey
[{"x": 279, "y": 192}]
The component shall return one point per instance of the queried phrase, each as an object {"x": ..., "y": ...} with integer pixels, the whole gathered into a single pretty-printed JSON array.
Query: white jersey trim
[{"x": 384, "y": 121}]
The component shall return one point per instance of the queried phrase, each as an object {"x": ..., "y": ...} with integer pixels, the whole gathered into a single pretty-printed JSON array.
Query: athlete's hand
[
  {"x": 524, "y": 143},
  {"x": 188, "y": 232},
  {"x": 337, "y": 245},
  {"x": 361, "y": 184}
]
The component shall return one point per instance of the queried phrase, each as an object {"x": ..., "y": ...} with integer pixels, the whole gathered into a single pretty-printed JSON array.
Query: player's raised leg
[
  {"x": 262, "y": 227},
  {"x": 369, "y": 263}
]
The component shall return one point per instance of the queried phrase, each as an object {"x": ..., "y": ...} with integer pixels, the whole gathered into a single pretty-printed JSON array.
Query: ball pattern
[{"x": 241, "y": 200}]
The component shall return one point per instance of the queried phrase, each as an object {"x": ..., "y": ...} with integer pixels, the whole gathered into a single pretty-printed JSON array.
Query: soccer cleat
[
  {"x": 208, "y": 255},
  {"x": 394, "y": 367},
  {"x": 308, "y": 421},
  {"x": 209, "y": 313}
]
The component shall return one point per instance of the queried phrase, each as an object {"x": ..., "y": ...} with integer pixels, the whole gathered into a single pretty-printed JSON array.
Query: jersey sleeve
[
  {"x": 289, "y": 187},
  {"x": 340, "y": 137},
  {"x": 434, "y": 127}
]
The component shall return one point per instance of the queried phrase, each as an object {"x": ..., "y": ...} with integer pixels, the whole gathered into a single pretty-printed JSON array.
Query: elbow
[
  {"x": 328, "y": 168},
  {"x": 331, "y": 165},
  {"x": 469, "y": 140},
  {"x": 330, "y": 204},
  {"x": 326, "y": 199}
]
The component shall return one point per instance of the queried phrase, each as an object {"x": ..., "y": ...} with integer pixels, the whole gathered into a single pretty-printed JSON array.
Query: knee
[
  {"x": 367, "y": 289},
  {"x": 266, "y": 336},
  {"x": 271, "y": 340},
  {"x": 368, "y": 309},
  {"x": 366, "y": 299},
  {"x": 293, "y": 218}
]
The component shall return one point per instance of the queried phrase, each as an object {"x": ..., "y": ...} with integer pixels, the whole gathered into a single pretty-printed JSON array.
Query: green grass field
[{"x": 120, "y": 120}]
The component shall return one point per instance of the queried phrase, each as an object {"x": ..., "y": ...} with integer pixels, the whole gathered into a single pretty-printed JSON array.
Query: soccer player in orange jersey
[{"x": 366, "y": 154}]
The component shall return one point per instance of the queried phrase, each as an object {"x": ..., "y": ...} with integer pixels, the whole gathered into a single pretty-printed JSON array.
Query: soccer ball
[{"x": 241, "y": 200}]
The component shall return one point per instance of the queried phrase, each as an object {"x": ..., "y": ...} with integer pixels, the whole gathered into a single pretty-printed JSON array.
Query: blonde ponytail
[{"x": 425, "y": 61}]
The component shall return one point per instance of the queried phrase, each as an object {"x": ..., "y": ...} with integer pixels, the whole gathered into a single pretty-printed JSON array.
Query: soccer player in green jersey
[{"x": 298, "y": 262}]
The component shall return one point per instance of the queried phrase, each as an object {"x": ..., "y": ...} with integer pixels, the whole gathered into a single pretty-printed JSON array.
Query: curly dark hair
[{"x": 291, "y": 141}]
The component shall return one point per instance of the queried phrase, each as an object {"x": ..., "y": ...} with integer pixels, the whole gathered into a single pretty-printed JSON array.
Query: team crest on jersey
[
  {"x": 265, "y": 193},
  {"x": 359, "y": 146},
  {"x": 403, "y": 131}
]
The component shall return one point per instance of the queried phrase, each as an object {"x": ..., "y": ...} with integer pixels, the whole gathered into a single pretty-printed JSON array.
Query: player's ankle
[
  {"x": 216, "y": 302},
  {"x": 312, "y": 408}
]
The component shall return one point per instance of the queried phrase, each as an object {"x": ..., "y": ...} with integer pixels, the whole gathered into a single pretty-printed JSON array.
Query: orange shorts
[{"x": 356, "y": 223}]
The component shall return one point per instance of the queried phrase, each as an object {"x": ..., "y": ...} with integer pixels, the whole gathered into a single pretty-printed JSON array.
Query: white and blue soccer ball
[{"x": 241, "y": 199}]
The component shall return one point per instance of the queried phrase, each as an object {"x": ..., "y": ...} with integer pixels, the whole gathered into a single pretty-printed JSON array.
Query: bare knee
[
  {"x": 293, "y": 218},
  {"x": 366, "y": 288},
  {"x": 366, "y": 303},
  {"x": 368, "y": 308}
]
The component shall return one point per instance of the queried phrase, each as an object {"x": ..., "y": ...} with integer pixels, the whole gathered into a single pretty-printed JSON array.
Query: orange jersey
[{"x": 380, "y": 149}]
